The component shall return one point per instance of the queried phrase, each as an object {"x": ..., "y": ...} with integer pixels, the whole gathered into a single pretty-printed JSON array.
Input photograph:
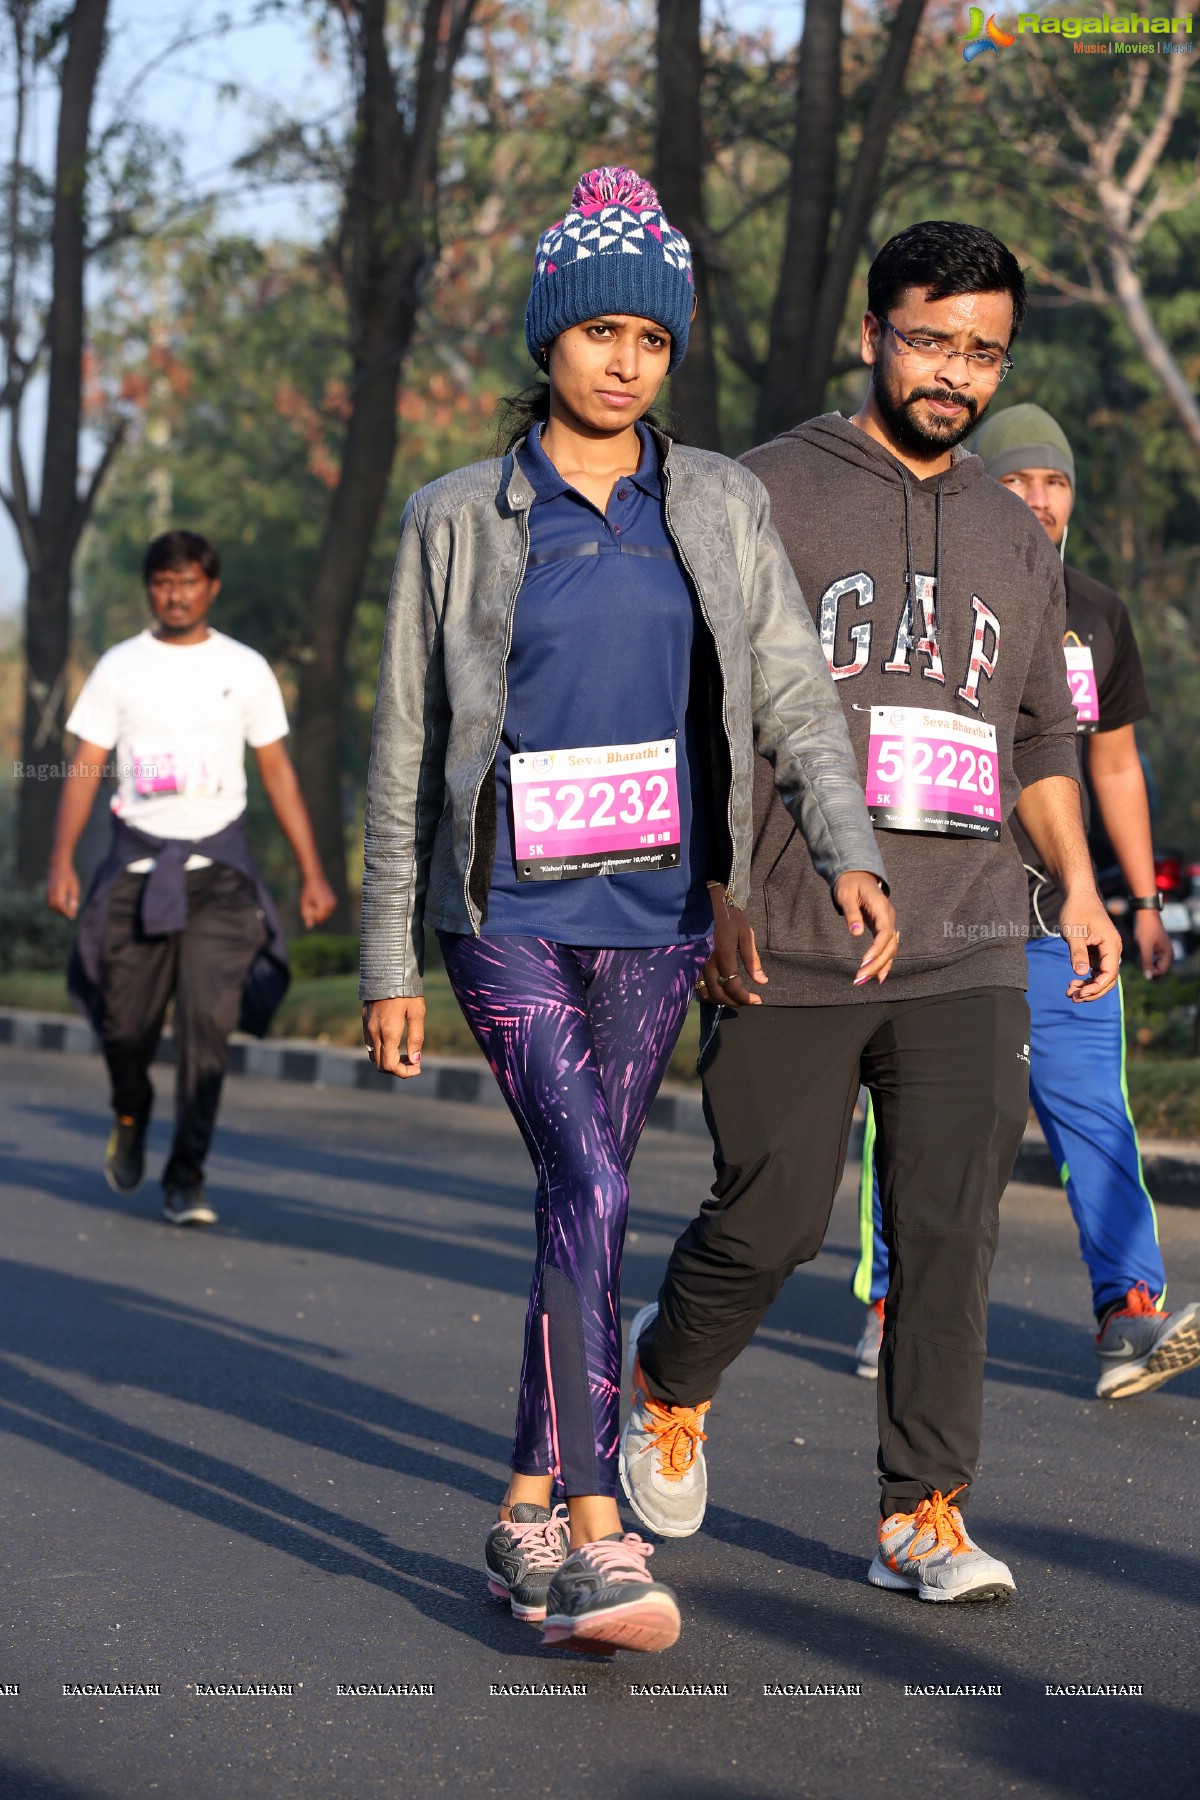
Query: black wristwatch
[{"x": 1146, "y": 903}]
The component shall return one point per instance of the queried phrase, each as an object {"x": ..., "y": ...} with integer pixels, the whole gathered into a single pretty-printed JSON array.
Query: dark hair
[
  {"x": 176, "y": 549},
  {"x": 517, "y": 414},
  {"x": 945, "y": 257}
]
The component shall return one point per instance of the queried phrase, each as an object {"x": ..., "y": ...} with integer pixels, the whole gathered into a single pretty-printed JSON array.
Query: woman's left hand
[
  {"x": 734, "y": 950},
  {"x": 859, "y": 897}
]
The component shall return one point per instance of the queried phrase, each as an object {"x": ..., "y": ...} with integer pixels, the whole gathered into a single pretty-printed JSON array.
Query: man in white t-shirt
[{"x": 177, "y": 909}]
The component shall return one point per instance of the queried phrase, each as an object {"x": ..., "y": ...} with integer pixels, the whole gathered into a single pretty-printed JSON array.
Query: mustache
[{"x": 950, "y": 395}]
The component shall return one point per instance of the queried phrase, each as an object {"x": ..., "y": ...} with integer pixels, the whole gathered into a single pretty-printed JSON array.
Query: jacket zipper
[
  {"x": 666, "y": 469},
  {"x": 475, "y": 917}
]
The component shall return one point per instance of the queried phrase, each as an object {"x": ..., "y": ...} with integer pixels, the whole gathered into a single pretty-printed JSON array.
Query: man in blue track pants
[{"x": 1077, "y": 1054}]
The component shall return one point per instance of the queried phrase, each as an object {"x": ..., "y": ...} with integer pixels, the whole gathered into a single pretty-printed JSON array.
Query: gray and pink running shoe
[
  {"x": 602, "y": 1598},
  {"x": 521, "y": 1555}
]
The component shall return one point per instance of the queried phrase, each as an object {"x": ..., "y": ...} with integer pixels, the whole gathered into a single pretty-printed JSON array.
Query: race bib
[
  {"x": 1081, "y": 673},
  {"x": 933, "y": 771},
  {"x": 185, "y": 765},
  {"x": 606, "y": 811}
]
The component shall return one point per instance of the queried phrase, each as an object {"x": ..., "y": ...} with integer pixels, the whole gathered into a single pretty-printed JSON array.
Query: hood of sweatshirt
[{"x": 943, "y": 594}]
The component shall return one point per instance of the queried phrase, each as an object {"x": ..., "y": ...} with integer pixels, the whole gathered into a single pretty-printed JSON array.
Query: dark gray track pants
[
  {"x": 949, "y": 1078},
  {"x": 204, "y": 968}
]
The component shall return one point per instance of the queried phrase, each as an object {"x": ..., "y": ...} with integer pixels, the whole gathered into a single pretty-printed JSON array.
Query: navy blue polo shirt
[{"x": 601, "y": 654}]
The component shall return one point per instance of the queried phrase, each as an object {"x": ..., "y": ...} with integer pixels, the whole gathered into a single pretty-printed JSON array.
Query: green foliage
[
  {"x": 323, "y": 953},
  {"x": 31, "y": 936},
  {"x": 1164, "y": 1098},
  {"x": 1160, "y": 1016}
]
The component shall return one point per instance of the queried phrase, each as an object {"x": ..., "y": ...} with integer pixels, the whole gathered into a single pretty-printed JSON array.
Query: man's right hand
[
  {"x": 386, "y": 1025},
  {"x": 62, "y": 889}
]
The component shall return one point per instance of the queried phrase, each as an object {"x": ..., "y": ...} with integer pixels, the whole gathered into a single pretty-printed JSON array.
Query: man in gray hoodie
[{"x": 939, "y": 601}]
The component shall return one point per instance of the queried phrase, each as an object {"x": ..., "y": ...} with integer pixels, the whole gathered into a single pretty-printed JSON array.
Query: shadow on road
[
  {"x": 1027, "y": 1737},
  {"x": 118, "y": 1336}
]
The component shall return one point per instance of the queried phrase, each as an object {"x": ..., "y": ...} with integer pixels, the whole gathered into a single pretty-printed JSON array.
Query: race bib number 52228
[
  {"x": 933, "y": 771},
  {"x": 604, "y": 810}
]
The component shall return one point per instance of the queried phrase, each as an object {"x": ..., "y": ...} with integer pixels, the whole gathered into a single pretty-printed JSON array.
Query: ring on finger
[{"x": 724, "y": 978}]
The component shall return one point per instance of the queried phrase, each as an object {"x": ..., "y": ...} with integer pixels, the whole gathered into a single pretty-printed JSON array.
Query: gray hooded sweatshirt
[{"x": 862, "y": 534}]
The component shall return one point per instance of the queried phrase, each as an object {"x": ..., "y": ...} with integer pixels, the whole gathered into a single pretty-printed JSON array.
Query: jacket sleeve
[
  {"x": 798, "y": 720},
  {"x": 406, "y": 775},
  {"x": 1044, "y": 739}
]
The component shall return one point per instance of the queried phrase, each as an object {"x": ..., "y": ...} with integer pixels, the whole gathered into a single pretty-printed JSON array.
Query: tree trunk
[
  {"x": 1132, "y": 300},
  {"x": 386, "y": 250},
  {"x": 679, "y": 163},
  {"x": 857, "y": 205},
  {"x": 811, "y": 198},
  {"x": 61, "y": 512}
]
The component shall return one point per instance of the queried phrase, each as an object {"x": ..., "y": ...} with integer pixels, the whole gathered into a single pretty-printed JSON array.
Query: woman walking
[{"x": 586, "y": 640}]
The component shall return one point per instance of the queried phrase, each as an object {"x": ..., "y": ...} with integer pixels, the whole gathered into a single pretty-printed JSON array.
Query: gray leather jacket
[{"x": 430, "y": 833}]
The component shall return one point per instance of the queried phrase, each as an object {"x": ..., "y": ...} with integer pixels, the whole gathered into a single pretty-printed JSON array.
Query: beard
[{"x": 928, "y": 435}]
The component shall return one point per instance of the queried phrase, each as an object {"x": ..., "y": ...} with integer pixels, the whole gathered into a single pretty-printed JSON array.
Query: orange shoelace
[
  {"x": 675, "y": 1436},
  {"x": 945, "y": 1521},
  {"x": 1138, "y": 1300}
]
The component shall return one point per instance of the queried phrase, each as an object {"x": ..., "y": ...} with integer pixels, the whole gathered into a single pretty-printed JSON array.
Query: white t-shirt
[{"x": 180, "y": 717}]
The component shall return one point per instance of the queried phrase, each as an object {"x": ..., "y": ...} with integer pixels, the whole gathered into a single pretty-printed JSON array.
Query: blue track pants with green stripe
[{"x": 1077, "y": 1085}]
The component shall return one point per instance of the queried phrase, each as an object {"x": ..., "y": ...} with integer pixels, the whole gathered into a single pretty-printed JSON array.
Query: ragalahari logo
[{"x": 983, "y": 37}]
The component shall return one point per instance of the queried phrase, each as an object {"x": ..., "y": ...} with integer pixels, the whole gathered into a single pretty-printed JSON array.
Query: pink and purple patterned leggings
[{"x": 578, "y": 1040}]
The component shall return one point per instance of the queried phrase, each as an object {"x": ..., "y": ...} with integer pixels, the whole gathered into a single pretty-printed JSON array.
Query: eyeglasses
[{"x": 931, "y": 353}]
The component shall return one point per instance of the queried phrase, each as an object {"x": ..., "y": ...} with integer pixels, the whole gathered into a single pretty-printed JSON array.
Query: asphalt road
[{"x": 269, "y": 1453}]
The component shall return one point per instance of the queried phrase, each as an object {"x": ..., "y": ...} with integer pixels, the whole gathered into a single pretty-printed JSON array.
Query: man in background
[{"x": 177, "y": 909}]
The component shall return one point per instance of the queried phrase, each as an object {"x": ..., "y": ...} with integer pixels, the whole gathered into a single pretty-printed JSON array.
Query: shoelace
[
  {"x": 540, "y": 1541},
  {"x": 945, "y": 1521},
  {"x": 624, "y": 1557},
  {"x": 675, "y": 1434},
  {"x": 1138, "y": 1300}
]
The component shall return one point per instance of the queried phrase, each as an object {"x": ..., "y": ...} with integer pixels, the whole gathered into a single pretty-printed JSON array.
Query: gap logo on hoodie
[{"x": 836, "y": 608}]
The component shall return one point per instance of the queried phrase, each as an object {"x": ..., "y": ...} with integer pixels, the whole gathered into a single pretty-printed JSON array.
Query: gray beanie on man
[{"x": 1023, "y": 437}]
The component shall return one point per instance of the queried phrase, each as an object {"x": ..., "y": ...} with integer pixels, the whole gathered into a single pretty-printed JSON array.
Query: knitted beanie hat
[
  {"x": 613, "y": 253},
  {"x": 1023, "y": 437}
]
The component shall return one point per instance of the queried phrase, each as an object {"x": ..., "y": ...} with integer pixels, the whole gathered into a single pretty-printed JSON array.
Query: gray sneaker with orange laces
[
  {"x": 929, "y": 1553},
  {"x": 1138, "y": 1347},
  {"x": 661, "y": 1459}
]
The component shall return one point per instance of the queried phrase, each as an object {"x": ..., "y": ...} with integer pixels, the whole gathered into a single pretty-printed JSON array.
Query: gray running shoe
[
  {"x": 520, "y": 1557},
  {"x": 187, "y": 1206},
  {"x": 1138, "y": 1348},
  {"x": 602, "y": 1598},
  {"x": 929, "y": 1553},
  {"x": 125, "y": 1156},
  {"x": 866, "y": 1351},
  {"x": 661, "y": 1459}
]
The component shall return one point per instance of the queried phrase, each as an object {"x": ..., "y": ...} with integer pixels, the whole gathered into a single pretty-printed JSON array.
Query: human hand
[
  {"x": 734, "y": 950},
  {"x": 859, "y": 897},
  {"x": 317, "y": 900},
  {"x": 388, "y": 1023},
  {"x": 62, "y": 889},
  {"x": 1094, "y": 943},
  {"x": 1155, "y": 950}
]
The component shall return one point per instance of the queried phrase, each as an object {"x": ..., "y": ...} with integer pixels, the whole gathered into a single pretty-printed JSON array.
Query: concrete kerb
[
  {"x": 1172, "y": 1171},
  {"x": 466, "y": 1079}
]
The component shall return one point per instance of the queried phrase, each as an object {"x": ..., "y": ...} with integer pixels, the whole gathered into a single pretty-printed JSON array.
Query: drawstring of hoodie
[
  {"x": 916, "y": 625},
  {"x": 937, "y": 547},
  {"x": 908, "y": 547}
]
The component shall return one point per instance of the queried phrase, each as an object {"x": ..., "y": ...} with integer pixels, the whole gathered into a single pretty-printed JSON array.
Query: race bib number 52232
[
  {"x": 604, "y": 810},
  {"x": 933, "y": 771}
]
